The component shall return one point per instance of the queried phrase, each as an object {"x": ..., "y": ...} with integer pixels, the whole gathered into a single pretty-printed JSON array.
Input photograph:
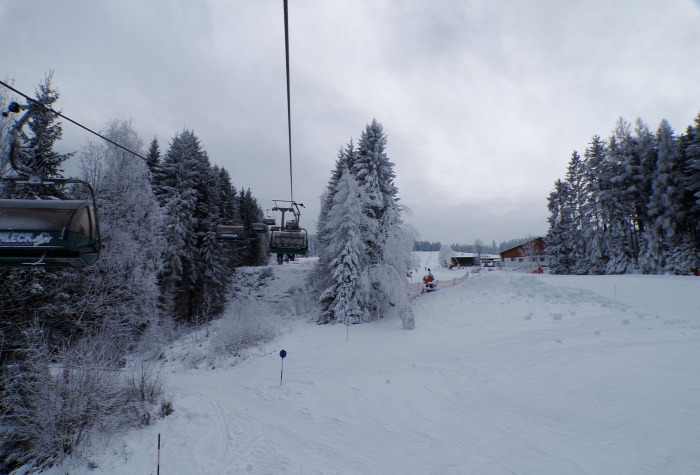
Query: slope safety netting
[{"x": 418, "y": 287}]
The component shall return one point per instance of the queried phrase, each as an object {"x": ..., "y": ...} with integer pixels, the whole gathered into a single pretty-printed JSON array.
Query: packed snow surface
[{"x": 505, "y": 373}]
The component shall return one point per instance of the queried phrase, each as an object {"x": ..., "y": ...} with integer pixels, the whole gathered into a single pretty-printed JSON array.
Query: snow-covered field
[{"x": 505, "y": 373}]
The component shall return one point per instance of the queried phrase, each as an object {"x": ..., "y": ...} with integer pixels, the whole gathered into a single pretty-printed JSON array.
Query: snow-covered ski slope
[{"x": 506, "y": 373}]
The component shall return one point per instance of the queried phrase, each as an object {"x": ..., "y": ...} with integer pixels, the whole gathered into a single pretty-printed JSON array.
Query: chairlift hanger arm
[{"x": 15, "y": 141}]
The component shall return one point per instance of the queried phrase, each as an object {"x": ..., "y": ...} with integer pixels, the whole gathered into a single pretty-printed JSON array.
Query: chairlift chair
[
  {"x": 52, "y": 233},
  {"x": 259, "y": 227},
  {"x": 290, "y": 239},
  {"x": 289, "y": 242},
  {"x": 229, "y": 233},
  {"x": 42, "y": 232}
]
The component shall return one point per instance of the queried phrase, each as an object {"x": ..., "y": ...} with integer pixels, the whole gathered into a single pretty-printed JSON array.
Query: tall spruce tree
[
  {"x": 195, "y": 274},
  {"x": 343, "y": 300},
  {"x": 577, "y": 198},
  {"x": 690, "y": 156},
  {"x": 255, "y": 250},
  {"x": 37, "y": 152},
  {"x": 153, "y": 159},
  {"x": 560, "y": 223},
  {"x": 375, "y": 177},
  {"x": 387, "y": 240},
  {"x": 619, "y": 201},
  {"x": 596, "y": 183},
  {"x": 324, "y": 234}
]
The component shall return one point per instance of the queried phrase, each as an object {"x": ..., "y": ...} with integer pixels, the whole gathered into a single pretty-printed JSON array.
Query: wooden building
[{"x": 528, "y": 255}]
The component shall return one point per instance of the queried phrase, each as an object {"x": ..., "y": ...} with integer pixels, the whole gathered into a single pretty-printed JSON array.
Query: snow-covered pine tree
[
  {"x": 595, "y": 182},
  {"x": 180, "y": 169},
  {"x": 690, "y": 157},
  {"x": 153, "y": 159},
  {"x": 387, "y": 240},
  {"x": 575, "y": 178},
  {"x": 324, "y": 233},
  {"x": 660, "y": 227},
  {"x": 227, "y": 195},
  {"x": 228, "y": 210},
  {"x": 636, "y": 159},
  {"x": 213, "y": 271},
  {"x": 619, "y": 201},
  {"x": 560, "y": 223},
  {"x": 691, "y": 150},
  {"x": 37, "y": 153},
  {"x": 677, "y": 218},
  {"x": 255, "y": 252},
  {"x": 45, "y": 133},
  {"x": 343, "y": 300},
  {"x": 375, "y": 177},
  {"x": 388, "y": 283}
]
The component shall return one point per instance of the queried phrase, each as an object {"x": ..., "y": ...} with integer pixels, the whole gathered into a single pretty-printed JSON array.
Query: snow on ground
[{"x": 506, "y": 373}]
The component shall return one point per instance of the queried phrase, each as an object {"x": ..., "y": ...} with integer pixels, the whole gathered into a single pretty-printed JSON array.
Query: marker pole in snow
[
  {"x": 158, "y": 468},
  {"x": 282, "y": 355}
]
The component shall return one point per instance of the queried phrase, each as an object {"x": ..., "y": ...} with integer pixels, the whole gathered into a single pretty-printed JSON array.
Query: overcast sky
[{"x": 483, "y": 101}]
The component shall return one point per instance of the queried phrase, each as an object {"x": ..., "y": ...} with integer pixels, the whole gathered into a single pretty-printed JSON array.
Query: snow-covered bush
[
  {"x": 146, "y": 383},
  {"x": 246, "y": 324},
  {"x": 52, "y": 403}
]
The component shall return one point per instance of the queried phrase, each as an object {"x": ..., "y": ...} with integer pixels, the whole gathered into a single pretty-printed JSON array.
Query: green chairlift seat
[
  {"x": 259, "y": 227},
  {"x": 229, "y": 233},
  {"x": 288, "y": 241},
  {"x": 51, "y": 233}
]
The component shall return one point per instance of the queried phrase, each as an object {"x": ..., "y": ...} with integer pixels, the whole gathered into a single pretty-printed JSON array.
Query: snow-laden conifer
[
  {"x": 560, "y": 223},
  {"x": 575, "y": 176},
  {"x": 346, "y": 157},
  {"x": 343, "y": 300},
  {"x": 375, "y": 177},
  {"x": 595, "y": 183},
  {"x": 184, "y": 166},
  {"x": 386, "y": 239}
]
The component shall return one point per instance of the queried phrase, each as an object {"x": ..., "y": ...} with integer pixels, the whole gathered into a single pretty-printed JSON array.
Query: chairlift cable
[
  {"x": 289, "y": 107},
  {"x": 34, "y": 101}
]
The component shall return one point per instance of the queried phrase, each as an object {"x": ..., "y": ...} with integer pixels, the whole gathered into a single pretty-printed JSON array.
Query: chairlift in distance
[
  {"x": 229, "y": 233},
  {"x": 259, "y": 228},
  {"x": 288, "y": 239},
  {"x": 269, "y": 220},
  {"x": 236, "y": 232},
  {"x": 43, "y": 232}
]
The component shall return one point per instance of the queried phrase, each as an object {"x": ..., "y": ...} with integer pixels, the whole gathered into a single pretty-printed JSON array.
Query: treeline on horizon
[
  {"x": 477, "y": 248},
  {"x": 630, "y": 204}
]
